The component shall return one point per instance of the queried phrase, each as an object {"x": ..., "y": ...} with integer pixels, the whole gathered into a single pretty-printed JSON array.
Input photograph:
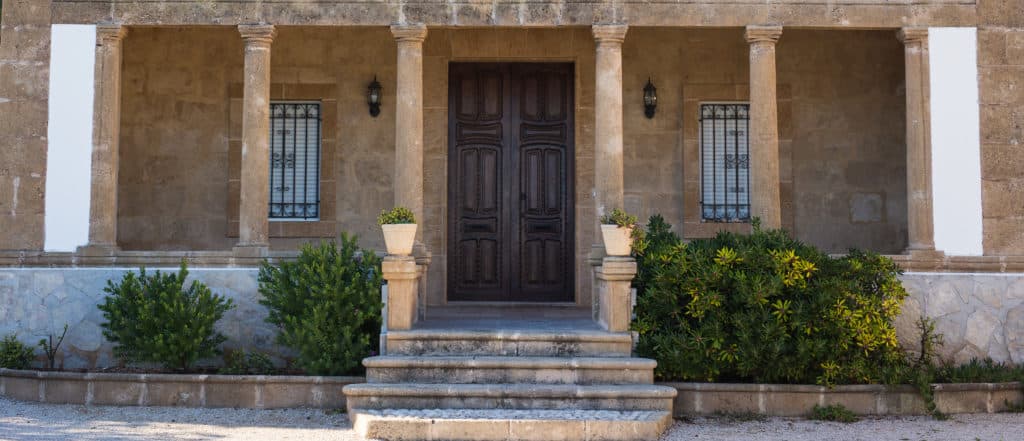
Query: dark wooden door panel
[{"x": 510, "y": 182}]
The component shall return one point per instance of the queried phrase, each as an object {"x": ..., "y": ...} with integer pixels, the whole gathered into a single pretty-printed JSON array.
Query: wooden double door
[{"x": 510, "y": 182}]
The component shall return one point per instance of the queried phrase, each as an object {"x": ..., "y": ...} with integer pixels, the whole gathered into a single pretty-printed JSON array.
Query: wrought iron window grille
[
  {"x": 295, "y": 132},
  {"x": 725, "y": 162}
]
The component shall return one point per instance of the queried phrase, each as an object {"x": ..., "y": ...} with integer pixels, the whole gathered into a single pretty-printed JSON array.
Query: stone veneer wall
[
  {"x": 979, "y": 314},
  {"x": 1001, "y": 92}
]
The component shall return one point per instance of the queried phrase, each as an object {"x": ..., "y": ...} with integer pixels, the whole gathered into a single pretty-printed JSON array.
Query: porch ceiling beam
[{"x": 860, "y": 14}]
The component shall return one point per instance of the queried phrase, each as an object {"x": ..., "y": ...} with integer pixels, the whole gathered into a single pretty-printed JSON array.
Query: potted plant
[
  {"x": 617, "y": 232},
  {"x": 399, "y": 226}
]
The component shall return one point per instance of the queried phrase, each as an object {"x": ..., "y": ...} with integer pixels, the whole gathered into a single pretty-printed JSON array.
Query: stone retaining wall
[
  {"x": 980, "y": 314},
  {"x": 268, "y": 392},
  {"x": 798, "y": 400},
  {"x": 241, "y": 391}
]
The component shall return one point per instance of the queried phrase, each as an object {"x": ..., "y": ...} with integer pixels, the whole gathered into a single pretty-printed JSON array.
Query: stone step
[
  {"x": 508, "y": 396},
  {"x": 494, "y": 369},
  {"x": 591, "y": 343},
  {"x": 503, "y": 425}
]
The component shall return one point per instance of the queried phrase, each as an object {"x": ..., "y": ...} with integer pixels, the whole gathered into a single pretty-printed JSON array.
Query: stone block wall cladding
[
  {"x": 24, "y": 93},
  {"x": 979, "y": 314},
  {"x": 1001, "y": 92}
]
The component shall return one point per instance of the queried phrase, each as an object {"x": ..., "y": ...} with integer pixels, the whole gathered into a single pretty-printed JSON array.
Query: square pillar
[
  {"x": 608, "y": 181},
  {"x": 402, "y": 275},
  {"x": 613, "y": 293},
  {"x": 920, "y": 225},
  {"x": 254, "y": 209},
  {"x": 105, "y": 140},
  {"x": 765, "y": 200}
]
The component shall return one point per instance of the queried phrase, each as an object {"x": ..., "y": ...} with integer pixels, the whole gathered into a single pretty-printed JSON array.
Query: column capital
[
  {"x": 609, "y": 33},
  {"x": 912, "y": 35},
  {"x": 110, "y": 33},
  {"x": 762, "y": 34},
  {"x": 409, "y": 33},
  {"x": 257, "y": 33}
]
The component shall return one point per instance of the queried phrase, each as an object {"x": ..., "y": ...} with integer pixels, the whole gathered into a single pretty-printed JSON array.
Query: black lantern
[
  {"x": 373, "y": 97},
  {"x": 650, "y": 99}
]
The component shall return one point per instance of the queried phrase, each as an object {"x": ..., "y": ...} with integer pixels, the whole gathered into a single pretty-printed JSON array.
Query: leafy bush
[
  {"x": 242, "y": 362},
  {"x": 153, "y": 318},
  {"x": 833, "y": 412},
  {"x": 397, "y": 215},
  {"x": 764, "y": 307},
  {"x": 14, "y": 354},
  {"x": 979, "y": 371},
  {"x": 327, "y": 305}
]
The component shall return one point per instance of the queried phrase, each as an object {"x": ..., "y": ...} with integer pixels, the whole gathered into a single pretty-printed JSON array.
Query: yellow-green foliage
[{"x": 764, "y": 307}]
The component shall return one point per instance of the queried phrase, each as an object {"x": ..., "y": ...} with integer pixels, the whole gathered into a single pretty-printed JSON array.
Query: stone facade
[
  {"x": 1001, "y": 93},
  {"x": 980, "y": 315}
]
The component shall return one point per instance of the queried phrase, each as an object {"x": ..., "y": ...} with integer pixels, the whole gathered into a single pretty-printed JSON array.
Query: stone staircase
[{"x": 528, "y": 382}]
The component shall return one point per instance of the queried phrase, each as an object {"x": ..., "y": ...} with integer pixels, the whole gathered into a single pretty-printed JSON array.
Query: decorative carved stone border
[
  {"x": 240, "y": 391},
  {"x": 798, "y": 400},
  {"x": 269, "y": 392}
]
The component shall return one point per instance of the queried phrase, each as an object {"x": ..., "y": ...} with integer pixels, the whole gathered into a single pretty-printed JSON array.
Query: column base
[
  {"x": 402, "y": 275},
  {"x": 98, "y": 250},
  {"x": 251, "y": 251},
  {"x": 925, "y": 254}
]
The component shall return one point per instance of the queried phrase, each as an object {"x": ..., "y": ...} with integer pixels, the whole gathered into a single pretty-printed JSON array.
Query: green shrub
[
  {"x": 153, "y": 318},
  {"x": 979, "y": 371},
  {"x": 241, "y": 362},
  {"x": 397, "y": 215},
  {"x": 620, "y": 218},
  {"x": 833, "y": 412},
  {"x": 14, "y": 354},
  {"x": 327, "y": 305},
  {"x": 764, "y": 307}
]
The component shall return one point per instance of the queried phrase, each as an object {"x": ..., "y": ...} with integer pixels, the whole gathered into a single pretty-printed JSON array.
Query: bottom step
[{"x": 510, "y": 425}]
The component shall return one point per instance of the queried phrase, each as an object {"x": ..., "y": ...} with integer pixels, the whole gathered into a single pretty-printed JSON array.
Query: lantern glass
[
  {"x": 650, "y": 99},
  {"x": 373, "y": 97}
]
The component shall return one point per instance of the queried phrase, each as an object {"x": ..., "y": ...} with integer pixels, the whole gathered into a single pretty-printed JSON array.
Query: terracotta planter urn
[
  {"x": 399, "y": 238},
  {"x": 617, "y": 240}
]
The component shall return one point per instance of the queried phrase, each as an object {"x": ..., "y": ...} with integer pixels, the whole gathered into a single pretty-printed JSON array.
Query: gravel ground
[{"x": 21, "y": 421}]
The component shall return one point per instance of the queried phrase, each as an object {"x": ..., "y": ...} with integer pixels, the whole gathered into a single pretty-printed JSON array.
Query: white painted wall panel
[
  {"x": 69, "y": 151},
  {"x": 956, "y": 149}
]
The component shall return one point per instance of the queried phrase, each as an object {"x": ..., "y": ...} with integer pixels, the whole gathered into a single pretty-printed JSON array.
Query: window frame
[
  {"x": 319, "y": 164},
  {"x": 700, "y": 162}
]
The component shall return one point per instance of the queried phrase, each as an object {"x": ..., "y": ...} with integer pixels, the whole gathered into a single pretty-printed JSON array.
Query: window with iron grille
[
  {"x": 725, "y": 162},
  {"x": 295, "y": 160}
]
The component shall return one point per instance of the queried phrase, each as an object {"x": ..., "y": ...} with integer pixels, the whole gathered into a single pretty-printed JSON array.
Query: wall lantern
[
  {"x": 373, "y": 97},
  {"x": 650, "y": 99}
]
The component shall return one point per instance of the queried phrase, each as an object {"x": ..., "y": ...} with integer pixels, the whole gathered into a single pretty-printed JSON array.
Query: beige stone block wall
[
  {"x": 1001, "y": 93},
  {"x": 840, "y": 129},
  {"x": 180, "y": 132},
  {"x": 24, "y": 95},
  {"x": 840, "y": 107}
]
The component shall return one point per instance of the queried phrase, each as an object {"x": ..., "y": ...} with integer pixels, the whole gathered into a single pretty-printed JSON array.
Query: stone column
[
  {"x": 254, "y": 209},
  {"x": 765, "y": 202},
  {"x": 409, "y": 119},
  {"x": 402, "y": 275},
  {"x": 105, "y": 140},
  {"x": 920, "y": 225},
  {"x": 608, "y": 182},
  {"x": 613, "y": 292}
]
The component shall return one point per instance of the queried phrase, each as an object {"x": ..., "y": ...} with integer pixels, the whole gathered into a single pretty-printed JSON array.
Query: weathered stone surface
[
  {"x": 35, "y": 303},
  {"x": 978, "y": 315}
]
